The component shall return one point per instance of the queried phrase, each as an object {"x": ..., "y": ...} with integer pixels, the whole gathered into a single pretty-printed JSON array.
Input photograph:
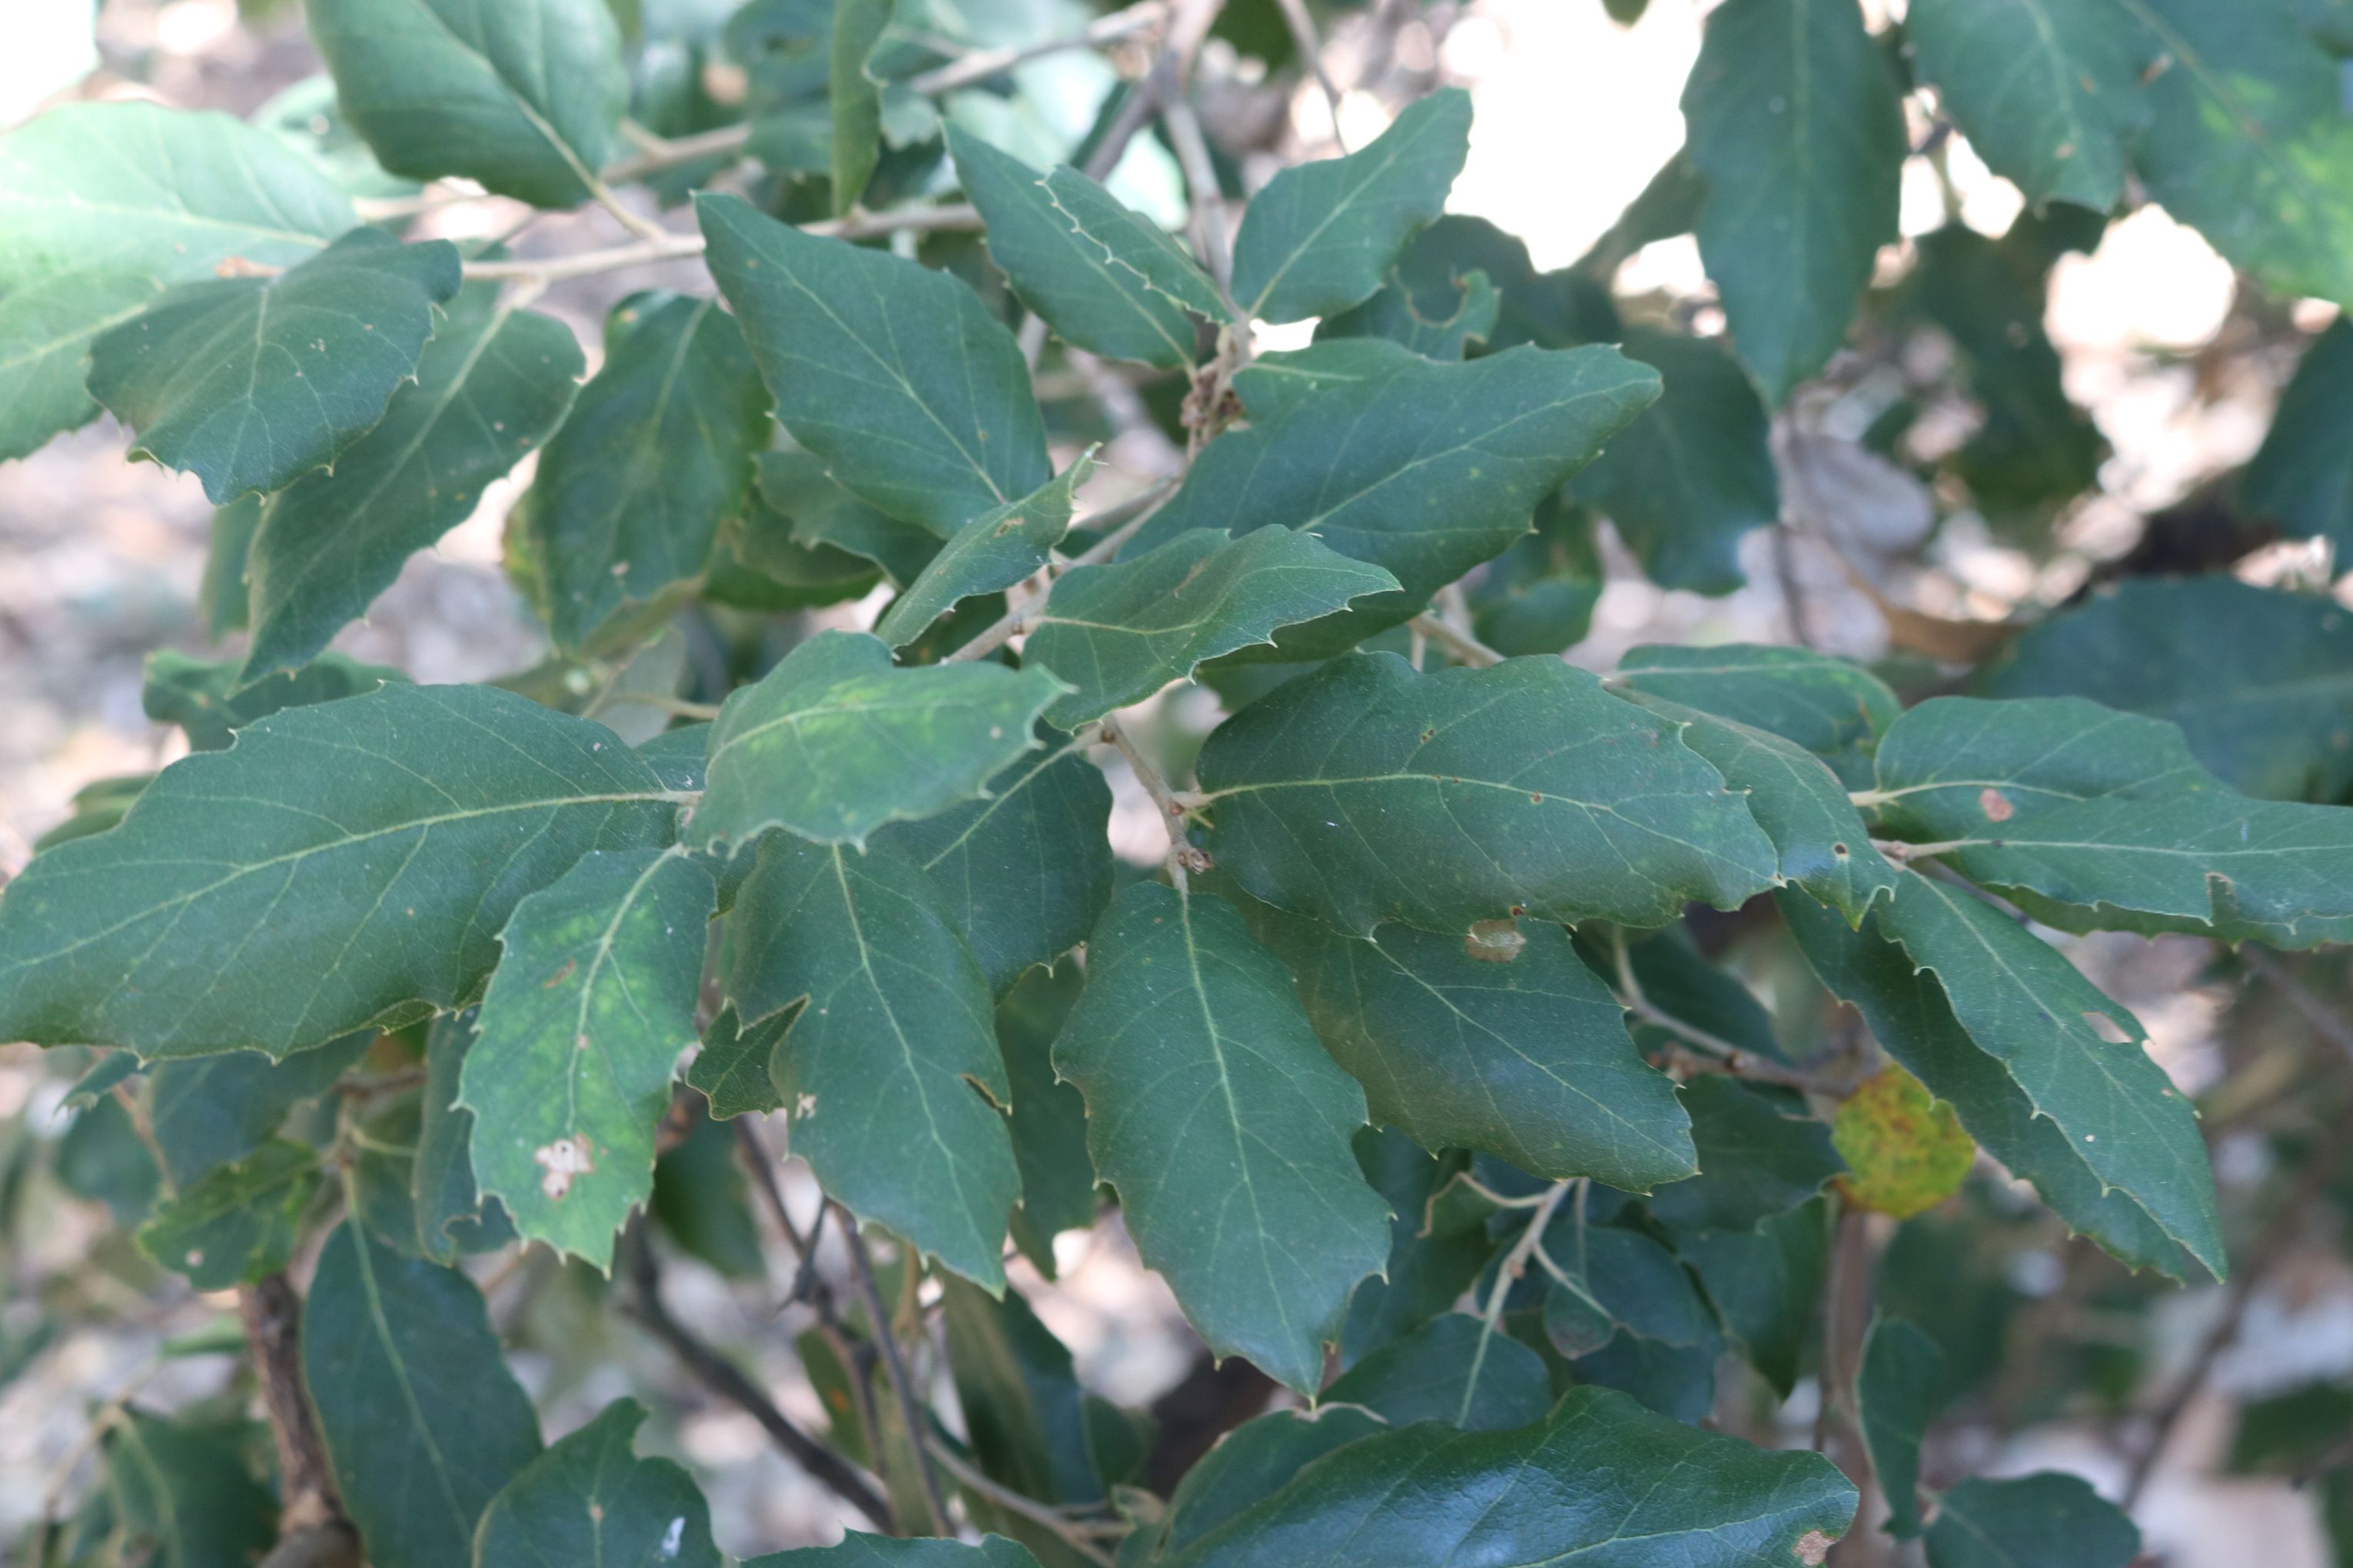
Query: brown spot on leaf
[
  {"x": 1493, "y": 942},
  {"x": 1812, "y": 1549},
  {"x": 563, "y": 1160},
  {"x": 561, "y": 976},
  {"x": 1995, "y": 805}
]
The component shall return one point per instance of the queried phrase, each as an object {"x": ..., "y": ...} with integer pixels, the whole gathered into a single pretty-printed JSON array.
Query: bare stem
[
  {"x": 312, "y": 1527},
  {"x": 1182, "y": 856},
  {"x": 1078, "y": 1537},
  {"x": 1189, "y": 22},
  {"x": 672, "y": 246},
  {"x": 1311, "y": 49},
  {"x": 982, "y": 64},
  {"x": 728, "y": 1381},
  {"x": 1208, "y": 200},
  {"x": 1456, "y": 641},
  {"x": 894, "y": 1368},
  {"x": 644, "y": 228},
  {"x": 1737, "y": 1060}
]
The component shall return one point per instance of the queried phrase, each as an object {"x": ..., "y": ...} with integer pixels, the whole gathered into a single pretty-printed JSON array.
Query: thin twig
[
  {"x": 894, "y": 1369},
  {"x": 1182, "y": 856},
  {"x": 1311, "y": 49},
  {"x": 1024, "y": 614},
  {"x": 1737, "y": 1060},
  {"x": 724, "y": 1378},
  {"x": 1188, "y": 25},
  {"x": 672, "y": 246},
  {"x": 312, "y": 1530},
  {"x": 1078, "y": 1537},
  {"x": 1209, "y": 199},
  {"x": 1507, "y": 1274},
  {"x": 1456, "y": 641},
  {"x": 644, "y": 228},
  {"x": 982, "y": 64},
  {"x": 1846, "y": 1317}
]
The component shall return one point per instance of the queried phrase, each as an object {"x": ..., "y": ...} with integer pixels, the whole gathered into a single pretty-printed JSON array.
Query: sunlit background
[{"x": 100, "y": 562}]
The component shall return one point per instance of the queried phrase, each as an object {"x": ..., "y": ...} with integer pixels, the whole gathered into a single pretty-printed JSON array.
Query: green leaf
[
  {"x": 1693, "y": 474},
  {"x": 211, "y": 1111},
  {"x": 2023, "y": 1002},
  {"x": 703, "y": 1198},
  {"x": 2100, "y": 819},
  {"x": 493, "y": 384},
  {"x": 1026, "y": 868},
  {"x": 589, "y": 1498},
  {"x": 1050, "y": 1117},
  {"x": 1218, "y": 1116},
  {"x": 1120, "y": 632},
  {"x": 452, "y": 1215},
  {"x": 2043, "y": 1520},
  {"x": 1759, "y": 1155},
  {"x": 1538, "y": 597},
  {"x": 220, "y": 597},
  {"x": 569, "y": 1073},
  {"x": 1795, "y": 125},
  {"x": 915, "y": 397},
  {"x": 823, "y": 514},
  {"x": 1542, "y": 1493},
  {"x": 857, "y": 1551},
  {"x": 1616, "y": 1281},
  {"x": 995, "y": 550},
  {"x": 1803, "y": 806},
  {"x": 732, "y": 1069},
  {"x": 422, "y": 1420},
  {"x": 1434, "y": 301},
  {"x": 208, "y": 700},
  {"x": 891, "y": 1072},
  {"x": 1510, "y": 1046},
  {"x": 1897, "y": 1395},
  {"x": 1911, "y": 1018},
  {"x": 1833, "y": 707},
  {"x": 854, "y": 97},
  {"x": 1254, "y": 1461},
  {"x": 101, "y": 1158},
  {"x": 1764, "y": 1285},
  {"x": 237, "y": 1223},
  {"x": 2261, "y": 681},
  {"x": 522, "y": 95},
  {"x": 1104, "y": 278},
  {"x": 104, "y": 204},
  {"x": 1318, "y": 236},
  {"x": 2302, "y": 478},
  {"x": 833, "y": 741},
  {"x": 342, "y": 865},
  {"x": 382, "y": 1186},
  {"x": 2247, "y": 140},
  {"x": 655, "y": 454},
  {"x": 1366, "y": 792},
  {"x": 250, "y": 383},
  {"x": 1023, "y": 1409},
  {"x": 185, "y": 1488},
  {"x": 1420, "y": 469},
  {"x": 2049, "y": 95},
  {"x": 1452, "y": 1369}
]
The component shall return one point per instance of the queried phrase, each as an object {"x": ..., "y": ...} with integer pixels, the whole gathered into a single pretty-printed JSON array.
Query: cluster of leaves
[{"x": 1361, "y": 1053}]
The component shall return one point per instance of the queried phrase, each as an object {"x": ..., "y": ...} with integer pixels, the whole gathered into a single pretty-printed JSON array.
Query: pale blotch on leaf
[
  {"x": 1813, "y": 1549},
  {"x": 1495, "y": 941},
  {"x": 1995, "y": 805},
  {"x": 563, "y": 1160}
]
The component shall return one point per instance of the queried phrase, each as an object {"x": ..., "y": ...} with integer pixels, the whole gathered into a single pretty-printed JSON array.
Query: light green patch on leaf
[
  {"x": 494, "y": 382},
  {"x": 569, "y": 1073},
  {"x": 1541, "y": 1493},
  {"x": 657, "y": 453},
  {"x": 835, "y": 741},
  {"x": 1366, "y": 792},
  {"x": 1120, "y": 632},
  {"x": 1795, "y": 125},
  {"x": 522, "y": 95},
  {"x": 102, "y": 205},
  {"x": 1318, "y": 236},
  {"x": 250, "y": 383},
  {"x": 995, "y": 550},
  {"x": 422, "y": 1420},
  {"x": 897, "y": 376},
  {"x": 1214, "y": 1111},
  {"x": 890, "y": 1074},
  {"x": 342, "y": 865},
  {"x": 590, "y": 1499},
  {"x": 1904, "y": 1150}
]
